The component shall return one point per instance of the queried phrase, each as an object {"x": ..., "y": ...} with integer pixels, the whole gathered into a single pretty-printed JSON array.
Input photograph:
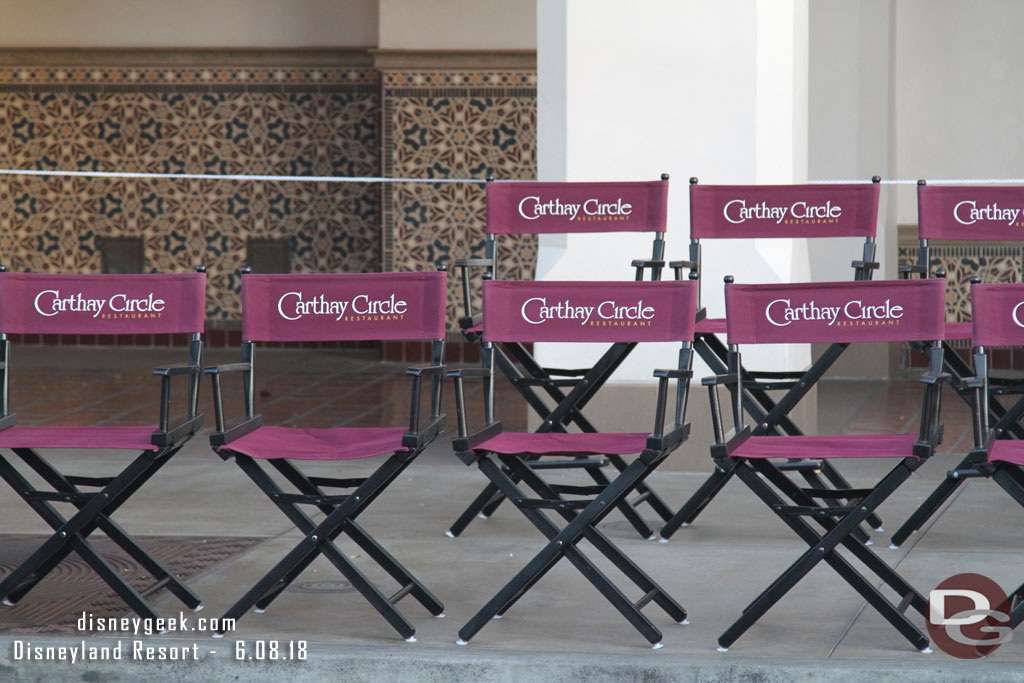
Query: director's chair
[
  {"x": 37, "y": 303},
  {"x": 997, "y": 312},
  {"x": 515, "y": 463},
  {"x": 997, "y": 319},
  {"x": 965, "y": 213},
  {"x": 374, "y": 306},
  {"x": 861, "y": 312},
  {"x": 533, "y": 208},
  {"x": 773, "y": 211}
]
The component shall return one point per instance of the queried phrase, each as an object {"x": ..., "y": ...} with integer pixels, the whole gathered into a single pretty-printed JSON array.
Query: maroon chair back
[
  {"x": 41, "y": 303},
  {"x": 970, "y": 213},
  {"x": 589, "y": 311},
  {"x": 997, "y": 312},
  {"x": 343, "y": 307},
  {"x": 754, "y": 211},
  {"x": 536, "y": 208},
  {"x": 839, "y": 312}
]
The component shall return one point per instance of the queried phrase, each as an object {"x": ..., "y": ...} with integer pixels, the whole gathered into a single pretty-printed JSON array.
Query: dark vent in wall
[
  {"x": 122, "y": 254},
  {"x": 269, "y": 256}
]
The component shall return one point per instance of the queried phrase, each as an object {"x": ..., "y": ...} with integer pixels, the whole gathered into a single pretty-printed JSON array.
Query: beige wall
[
  {"x": 458, "y": 25},
  {"x": 958, "y": 92},
  {"x": 188, "y": 23}
]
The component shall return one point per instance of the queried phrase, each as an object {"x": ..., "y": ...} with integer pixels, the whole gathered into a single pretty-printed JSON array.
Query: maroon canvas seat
[
  {"x": 37, "y": 303},
  {"x": 312, "y": 307},
  {"x": 1011, "y": 452},
  {"x": 828, "y": 519},
  {"x": 537, "y": 208},
  {"x": 826, "y": 447},
  {"x": 587, "y": 443},
  {"x": 964, "y": 214},
  {"x": 747, "y": 212},
  {"x": 515, "y": 463},
  {"x": 339, "y": 443},
  {"x": 79, "y": 438}
]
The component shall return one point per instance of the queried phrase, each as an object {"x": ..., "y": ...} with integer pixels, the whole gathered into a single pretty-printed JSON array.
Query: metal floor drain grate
[
  {"x": 55, "y": 605},
  {"x": 322, "y": 587}
]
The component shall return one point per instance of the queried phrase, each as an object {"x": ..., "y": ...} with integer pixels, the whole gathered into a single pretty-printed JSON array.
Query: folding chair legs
[
  {"x": 66, "y": 486},
  {"x": 94, "y": 510},
  {"x": 716, "y": 482},
  {"x": 483, "y": 506},
  {"x": 355, "y": 532},
  {"x": 318, "y": 540},
  {"x": 562, "y": 543},
  {"x": 1011, "y": 479},
  {"x": 824, "y": 547},
  {"x": 946, "y": 488},
  {"x": 491, "y": 497}
]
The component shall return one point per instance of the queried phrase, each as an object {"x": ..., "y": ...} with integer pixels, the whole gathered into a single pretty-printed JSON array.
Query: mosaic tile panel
[
  {"x": 216, "y": 121},
  {"x": 992, "y": 263},
  {"x": 454, "y": 125}
]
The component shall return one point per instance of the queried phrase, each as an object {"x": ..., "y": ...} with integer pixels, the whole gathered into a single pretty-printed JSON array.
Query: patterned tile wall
[
  {"x": 287, "y": 121},
  {"x": 990, "y": 262},
  {"x": 454, "y": 125}
]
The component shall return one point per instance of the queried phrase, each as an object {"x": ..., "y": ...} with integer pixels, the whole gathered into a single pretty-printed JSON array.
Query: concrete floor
[{"x": 562, "y": 629}]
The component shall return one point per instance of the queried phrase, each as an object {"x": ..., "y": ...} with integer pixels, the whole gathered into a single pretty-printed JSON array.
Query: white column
[{"x": 692, "y": 88}]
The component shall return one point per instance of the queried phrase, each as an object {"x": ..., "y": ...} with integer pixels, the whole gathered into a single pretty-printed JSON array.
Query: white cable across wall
[
  {"x": 382, "y": 179},
  {"x": 242, "y": 177}
]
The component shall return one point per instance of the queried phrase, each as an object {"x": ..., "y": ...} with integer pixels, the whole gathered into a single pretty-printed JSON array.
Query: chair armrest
[
  {"x": 717, "y": 423},
  {"x": 215, "y": 371},
  {"x": 682, "y": 264},
  {"x": 474, "y": 263},
  {"x": 865, "y": 265},
  {"x": 429, "y": 370},
  {"x": 467, "y": 306},
  {"x": 463, "y": 444},
  {"x": 647, "y": 263},
  {"x": 730, "y": 443},
  {"x": 469, "y": 372},
  {"x": 929, "y": 378},
  {"x": 659, "y": 441},
  {"x": 226, "y": 368},
  {"x": 8, "y": 421},
  {"x": 460, "y": 403},
  {"x": 221, "y": 438},
  {"x": 668, "y": 442},
  {"x": 715, "y": 380},
  {"x": 972, "y": 382},
  {"x": 908, "y": 270},
  {"x": 177, "y": 369},
  {"x": 468, "y": 321},
  {"x": 166, "y": 433},
  {"x": 419, "y": 436},
  {"x": 674, "y": 374}
]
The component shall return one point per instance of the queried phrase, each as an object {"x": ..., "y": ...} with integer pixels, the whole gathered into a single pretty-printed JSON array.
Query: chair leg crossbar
[
  {"x": 319, "y": 539},
  {"x": 94, "y": 511},
  {"x": 838, "y": 525},
  {"x": 580, "y": 524}
]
